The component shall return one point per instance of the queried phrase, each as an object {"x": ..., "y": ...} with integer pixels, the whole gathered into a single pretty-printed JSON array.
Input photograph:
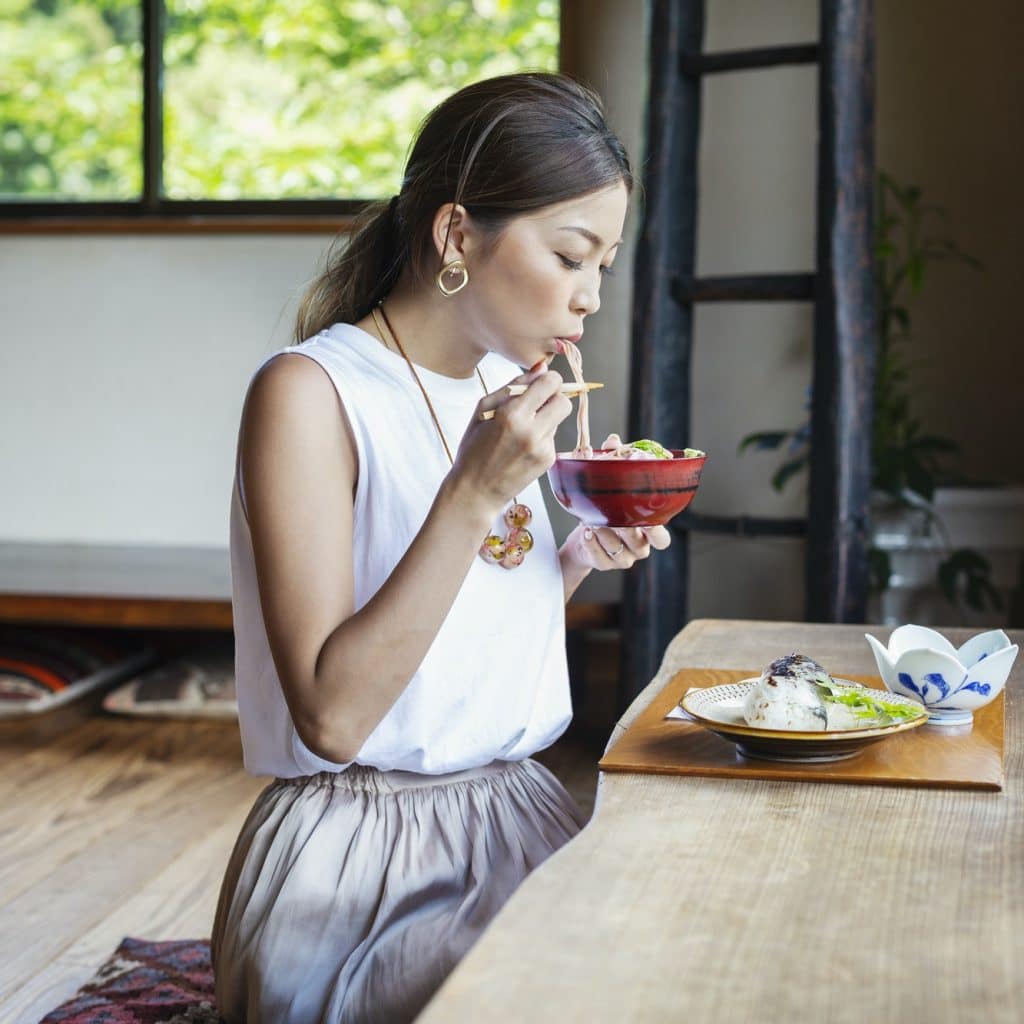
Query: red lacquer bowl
[{"x": 625, "y": 492}]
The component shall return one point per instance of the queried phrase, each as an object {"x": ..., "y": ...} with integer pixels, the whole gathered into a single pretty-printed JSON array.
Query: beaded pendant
[{"x": 509, "y": 552}]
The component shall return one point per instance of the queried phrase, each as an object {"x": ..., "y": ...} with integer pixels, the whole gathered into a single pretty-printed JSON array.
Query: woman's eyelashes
[{"x": 578, "y": 265}]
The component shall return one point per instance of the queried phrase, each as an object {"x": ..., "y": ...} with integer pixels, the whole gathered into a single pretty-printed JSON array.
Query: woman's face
[{"x": 544, "y": 276}]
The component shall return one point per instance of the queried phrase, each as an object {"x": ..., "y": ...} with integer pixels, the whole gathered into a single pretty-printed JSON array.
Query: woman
[{"x": 396, "y": 670}]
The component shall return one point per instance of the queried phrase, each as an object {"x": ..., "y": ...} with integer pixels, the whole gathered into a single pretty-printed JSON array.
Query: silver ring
[{"x": 621, "y": 548}]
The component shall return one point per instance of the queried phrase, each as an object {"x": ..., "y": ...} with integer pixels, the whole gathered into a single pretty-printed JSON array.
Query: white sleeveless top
[{"x": 495, "y": 683}]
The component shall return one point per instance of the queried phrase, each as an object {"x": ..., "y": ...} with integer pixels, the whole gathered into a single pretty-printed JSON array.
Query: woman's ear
[{"x": 456, "y": 237}]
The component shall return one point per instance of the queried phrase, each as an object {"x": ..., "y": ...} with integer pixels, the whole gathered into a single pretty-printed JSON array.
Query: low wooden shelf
[
  {"x": 146, "y": 587},
  {"x": 114, "y": 585}
]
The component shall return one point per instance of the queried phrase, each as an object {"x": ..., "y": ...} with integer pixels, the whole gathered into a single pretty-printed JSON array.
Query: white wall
[{"x": 124, "y": 362}]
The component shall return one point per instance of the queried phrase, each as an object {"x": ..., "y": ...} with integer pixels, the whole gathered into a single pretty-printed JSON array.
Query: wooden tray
[{"x": 943, "y": 756}]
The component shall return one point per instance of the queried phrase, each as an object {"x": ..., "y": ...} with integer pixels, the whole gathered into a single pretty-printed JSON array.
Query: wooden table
[{"x": 697, "y": 899}]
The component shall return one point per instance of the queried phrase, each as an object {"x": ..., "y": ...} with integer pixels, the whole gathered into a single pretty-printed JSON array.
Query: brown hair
[{"x": 501, "y": 147}]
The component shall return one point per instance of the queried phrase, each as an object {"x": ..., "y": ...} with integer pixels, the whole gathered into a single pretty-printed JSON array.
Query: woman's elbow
[{"x": 327, "y": 741}]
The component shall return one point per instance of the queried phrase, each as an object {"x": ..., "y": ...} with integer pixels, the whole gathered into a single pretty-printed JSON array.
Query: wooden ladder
[{"x": 666, "y": 290}]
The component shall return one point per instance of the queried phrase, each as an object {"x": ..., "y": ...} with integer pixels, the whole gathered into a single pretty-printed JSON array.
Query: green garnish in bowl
[
  {"x": 652, "y": 448},
  {"x": 693, "y": 453}
]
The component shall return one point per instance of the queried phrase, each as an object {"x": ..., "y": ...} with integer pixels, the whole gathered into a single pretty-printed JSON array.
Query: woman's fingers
[
  {"x": 601, "y": 543},
  {"x": 541, "y": 391},
  {"x": 533, "y": 397},
  {"x": 620, "y": 547},
  {"x": 658, "y": 537}
]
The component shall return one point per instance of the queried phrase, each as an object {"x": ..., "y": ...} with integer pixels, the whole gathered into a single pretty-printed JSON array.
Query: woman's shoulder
[
  {"x": 300, "y": 388},
  {"x": 287, "y": 386},
  {"x": 307, "y": 366},
  {"x": 290, "y": 416}
]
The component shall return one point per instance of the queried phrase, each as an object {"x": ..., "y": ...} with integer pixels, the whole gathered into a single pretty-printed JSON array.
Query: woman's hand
[
  {"x": 607, "y": 547},
  {"x": 604, "y": 548},
  {"x": 511, "y": 440}
]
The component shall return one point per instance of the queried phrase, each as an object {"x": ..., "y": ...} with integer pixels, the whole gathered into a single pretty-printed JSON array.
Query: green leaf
[
  {"x": 879, "y": 569},
  {"x": 900, "y": 315},
  {"x": 788, "y": 470},
  {"x": 931, "y": 443},
  {"x": 652, "y": 448},
  {"x": 915, "y": 271},
  {"x": 764, "y": 440},
  {"x": 918, "y": 477},
  {"x": 974, "y": 571}
]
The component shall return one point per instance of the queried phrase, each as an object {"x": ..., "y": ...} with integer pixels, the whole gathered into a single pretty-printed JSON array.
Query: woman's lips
[{"x": 573, "y": 338}]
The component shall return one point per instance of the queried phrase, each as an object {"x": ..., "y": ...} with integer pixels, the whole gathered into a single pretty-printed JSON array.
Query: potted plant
[{"x": 911, "y": 538}]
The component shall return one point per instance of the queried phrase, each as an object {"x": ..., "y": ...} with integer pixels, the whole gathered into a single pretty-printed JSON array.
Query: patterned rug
[{"x": 146, "y": 983}]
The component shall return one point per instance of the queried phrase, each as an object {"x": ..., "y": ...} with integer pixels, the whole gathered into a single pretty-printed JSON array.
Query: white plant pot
[{"x": 989, "y": 520}]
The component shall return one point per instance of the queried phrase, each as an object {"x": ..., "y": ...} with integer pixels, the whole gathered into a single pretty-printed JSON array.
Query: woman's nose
[{"x": 587, "y": 302}]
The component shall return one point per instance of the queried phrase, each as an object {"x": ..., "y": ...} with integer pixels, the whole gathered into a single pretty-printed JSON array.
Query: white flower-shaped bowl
[{"x": 952, "y": 683}]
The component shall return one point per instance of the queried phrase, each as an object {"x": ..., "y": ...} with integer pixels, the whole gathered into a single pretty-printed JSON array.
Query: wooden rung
[
  {"x": 694, "y": 64},
  {"x": 739, "y": 526},
  {"x": 750, "y": 288}
]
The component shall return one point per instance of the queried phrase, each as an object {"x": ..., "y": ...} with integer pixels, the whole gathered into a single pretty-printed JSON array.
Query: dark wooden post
[
  {"x": 153, "y": 20},
  {"x": 654, "y": 604},
  {"x": 845, "y": 325}
]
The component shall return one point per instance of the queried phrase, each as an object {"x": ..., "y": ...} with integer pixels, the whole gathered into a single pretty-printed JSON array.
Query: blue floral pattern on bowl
[{"x": 952, "y": 683}]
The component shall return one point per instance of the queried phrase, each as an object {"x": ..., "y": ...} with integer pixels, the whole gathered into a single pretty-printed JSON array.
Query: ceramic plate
[{"x": 720, "y": 709}]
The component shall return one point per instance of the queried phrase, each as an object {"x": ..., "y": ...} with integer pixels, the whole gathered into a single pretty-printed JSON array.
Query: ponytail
[{"x": 358, "y": 276}]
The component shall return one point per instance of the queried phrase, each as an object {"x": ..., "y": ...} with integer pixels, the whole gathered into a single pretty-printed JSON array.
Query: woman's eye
[{"x": 578, "y": 265}]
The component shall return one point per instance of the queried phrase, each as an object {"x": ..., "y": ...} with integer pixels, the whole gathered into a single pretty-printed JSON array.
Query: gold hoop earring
[{"x": 452, "y": 267}]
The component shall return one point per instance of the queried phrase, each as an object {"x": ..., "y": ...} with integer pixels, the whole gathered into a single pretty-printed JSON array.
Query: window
[{"x": 236, "y": 106}]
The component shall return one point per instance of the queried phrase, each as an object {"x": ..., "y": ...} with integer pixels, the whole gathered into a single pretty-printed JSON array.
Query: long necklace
[{"x": 508, "y": 551}]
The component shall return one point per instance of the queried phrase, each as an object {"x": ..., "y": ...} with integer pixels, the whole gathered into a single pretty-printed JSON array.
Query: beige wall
[
  {"x": 124, "y": 359},
  {"x": 951, "y": 119},
  {"x": 757, "y": 213}
]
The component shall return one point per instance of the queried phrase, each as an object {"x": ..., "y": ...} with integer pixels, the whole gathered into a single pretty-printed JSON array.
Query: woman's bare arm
[
  {"x": 573, "y": 572},
  {"x": 342, "y": 671}
]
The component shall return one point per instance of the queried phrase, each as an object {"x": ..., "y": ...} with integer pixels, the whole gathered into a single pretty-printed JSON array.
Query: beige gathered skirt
[{"x": 350, "y": 897}]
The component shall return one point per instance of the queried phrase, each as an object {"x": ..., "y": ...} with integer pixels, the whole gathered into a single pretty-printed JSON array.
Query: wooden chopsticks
[{"x": 572, "y": 390}]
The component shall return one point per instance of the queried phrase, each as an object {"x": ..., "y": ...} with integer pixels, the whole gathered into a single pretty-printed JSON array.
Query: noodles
[
  {"x": 614, "y": 447},
  {"x": 575, "y": 361}
]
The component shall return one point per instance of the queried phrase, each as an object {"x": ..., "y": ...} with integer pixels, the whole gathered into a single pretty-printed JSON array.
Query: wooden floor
[{"x": 112, "y": 827}]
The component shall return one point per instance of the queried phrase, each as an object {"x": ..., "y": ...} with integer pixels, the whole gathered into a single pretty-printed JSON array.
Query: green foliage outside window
[
  {"x": 70, "y": 100},
  {"x": 263, "y": 99}
]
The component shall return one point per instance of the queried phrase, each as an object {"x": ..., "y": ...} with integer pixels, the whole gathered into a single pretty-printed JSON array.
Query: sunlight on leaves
[{"x": 263, "y": 99}]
